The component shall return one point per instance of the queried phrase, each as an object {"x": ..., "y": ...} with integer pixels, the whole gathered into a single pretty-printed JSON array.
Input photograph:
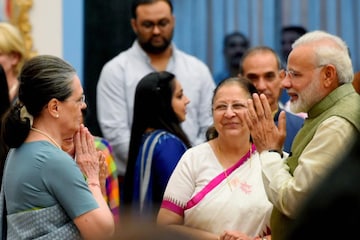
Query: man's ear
[
  {"x": 329, "y": 75},
  {"x": 134, "y": 25}
]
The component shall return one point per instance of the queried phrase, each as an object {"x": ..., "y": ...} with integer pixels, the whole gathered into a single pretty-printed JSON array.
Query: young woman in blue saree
[{"x": 157, "y": 142}]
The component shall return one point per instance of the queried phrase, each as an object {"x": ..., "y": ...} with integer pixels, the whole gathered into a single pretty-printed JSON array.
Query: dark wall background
[{"x": 107, "y": 32}]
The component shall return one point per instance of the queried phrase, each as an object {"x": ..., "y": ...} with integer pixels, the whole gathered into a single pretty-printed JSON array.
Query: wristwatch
[{"x": 277, "y": 151}]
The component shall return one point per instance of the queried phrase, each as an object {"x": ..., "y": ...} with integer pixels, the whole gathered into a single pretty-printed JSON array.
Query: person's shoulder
[
  {"x": 191, "y": 66},
  {"x": 293, "y": 117},
  {"x": 46, "y": 153},
  {"x": 168, "y": 143},
  {"x": 191, "y": 59},
  {"x": 200, "y": 148},
  {"x": 199, "y": 154},
  {"x": 115, "y": 67},
  {"x": 293, "y": 121},
  {"x": 121, "y": 57},
  {"x": 41, "y": 147},
  {"x": 167, "y": 138}
]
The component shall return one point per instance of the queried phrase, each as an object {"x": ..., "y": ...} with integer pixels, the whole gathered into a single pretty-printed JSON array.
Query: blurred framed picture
[
  {"x": 5, "y": 9},
  {"x": 17, "y": 13}
]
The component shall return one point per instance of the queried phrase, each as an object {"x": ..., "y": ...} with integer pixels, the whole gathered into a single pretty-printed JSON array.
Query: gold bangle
[{"x": 94, "y": 184}]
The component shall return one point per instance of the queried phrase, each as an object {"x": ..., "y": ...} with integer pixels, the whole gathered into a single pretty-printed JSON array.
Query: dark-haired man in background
[
  {"x": 288, "y": 36},
  {"x": 153, "y": 50},
  {"x": 235, "y": 44}
]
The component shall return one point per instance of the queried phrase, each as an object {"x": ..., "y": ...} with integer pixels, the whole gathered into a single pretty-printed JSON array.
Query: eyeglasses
[
  {"x": 236, "y": 107},
  {"x": 149, "y": 26},
  {"x": 294, "y": 74},
  {"x": 80, "y": 101},
  {"x": 288, "y": 73}
]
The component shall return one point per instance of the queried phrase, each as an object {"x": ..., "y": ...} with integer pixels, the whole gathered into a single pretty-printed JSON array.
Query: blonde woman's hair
[{"x": 11, "y": 41}]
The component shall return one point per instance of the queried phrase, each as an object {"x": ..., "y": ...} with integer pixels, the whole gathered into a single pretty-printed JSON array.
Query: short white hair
[{"x": 329, "y": 49}]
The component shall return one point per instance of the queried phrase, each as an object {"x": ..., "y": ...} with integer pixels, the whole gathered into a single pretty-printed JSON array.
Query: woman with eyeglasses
[
  {"x": 110, "y": 187},
  {"x": 45, "y": 193},
  {"x": 216, "y": 190}
]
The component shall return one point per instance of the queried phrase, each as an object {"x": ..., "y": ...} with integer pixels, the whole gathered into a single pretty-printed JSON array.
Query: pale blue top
[{"x": 40, "y": 175}]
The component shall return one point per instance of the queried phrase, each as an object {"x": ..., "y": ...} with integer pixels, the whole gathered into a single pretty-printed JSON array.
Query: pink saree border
[
  {"x": 217, "y": 180},
  {"x": 168, "y": 204}
]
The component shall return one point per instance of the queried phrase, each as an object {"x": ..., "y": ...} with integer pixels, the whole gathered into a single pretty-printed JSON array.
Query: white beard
[{"x": 307, "y": 98}]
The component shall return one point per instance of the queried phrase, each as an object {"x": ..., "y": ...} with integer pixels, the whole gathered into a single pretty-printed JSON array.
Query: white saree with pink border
[{"x": 215, "y": 200}]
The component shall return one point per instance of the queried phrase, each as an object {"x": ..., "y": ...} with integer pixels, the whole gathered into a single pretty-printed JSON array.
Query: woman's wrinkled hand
[{"x": 87, "y": 157}]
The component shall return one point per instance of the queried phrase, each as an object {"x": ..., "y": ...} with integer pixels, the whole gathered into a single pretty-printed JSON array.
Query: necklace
[{"x": 46, "y": 135}]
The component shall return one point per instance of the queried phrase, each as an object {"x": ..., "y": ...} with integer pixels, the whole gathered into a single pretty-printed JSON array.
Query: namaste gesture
[{"x": 264, "y": 133}]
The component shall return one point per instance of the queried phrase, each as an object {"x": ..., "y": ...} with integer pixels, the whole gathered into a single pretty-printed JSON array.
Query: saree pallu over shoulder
[
  {"x": 47, "y": 223},
  {"x": 235, "y": 199},
  {"x": 218, "y": 180}
]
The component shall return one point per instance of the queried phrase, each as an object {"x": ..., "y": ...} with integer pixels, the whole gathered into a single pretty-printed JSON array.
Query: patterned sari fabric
[
  {"x": 213, "y": 199},
  {"x": 30, "y": 225},
  {"x": 112, "y": 196}
]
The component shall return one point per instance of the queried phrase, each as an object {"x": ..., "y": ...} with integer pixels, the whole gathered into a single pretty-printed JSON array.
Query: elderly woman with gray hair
[{"x": 45, "y": 193}]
